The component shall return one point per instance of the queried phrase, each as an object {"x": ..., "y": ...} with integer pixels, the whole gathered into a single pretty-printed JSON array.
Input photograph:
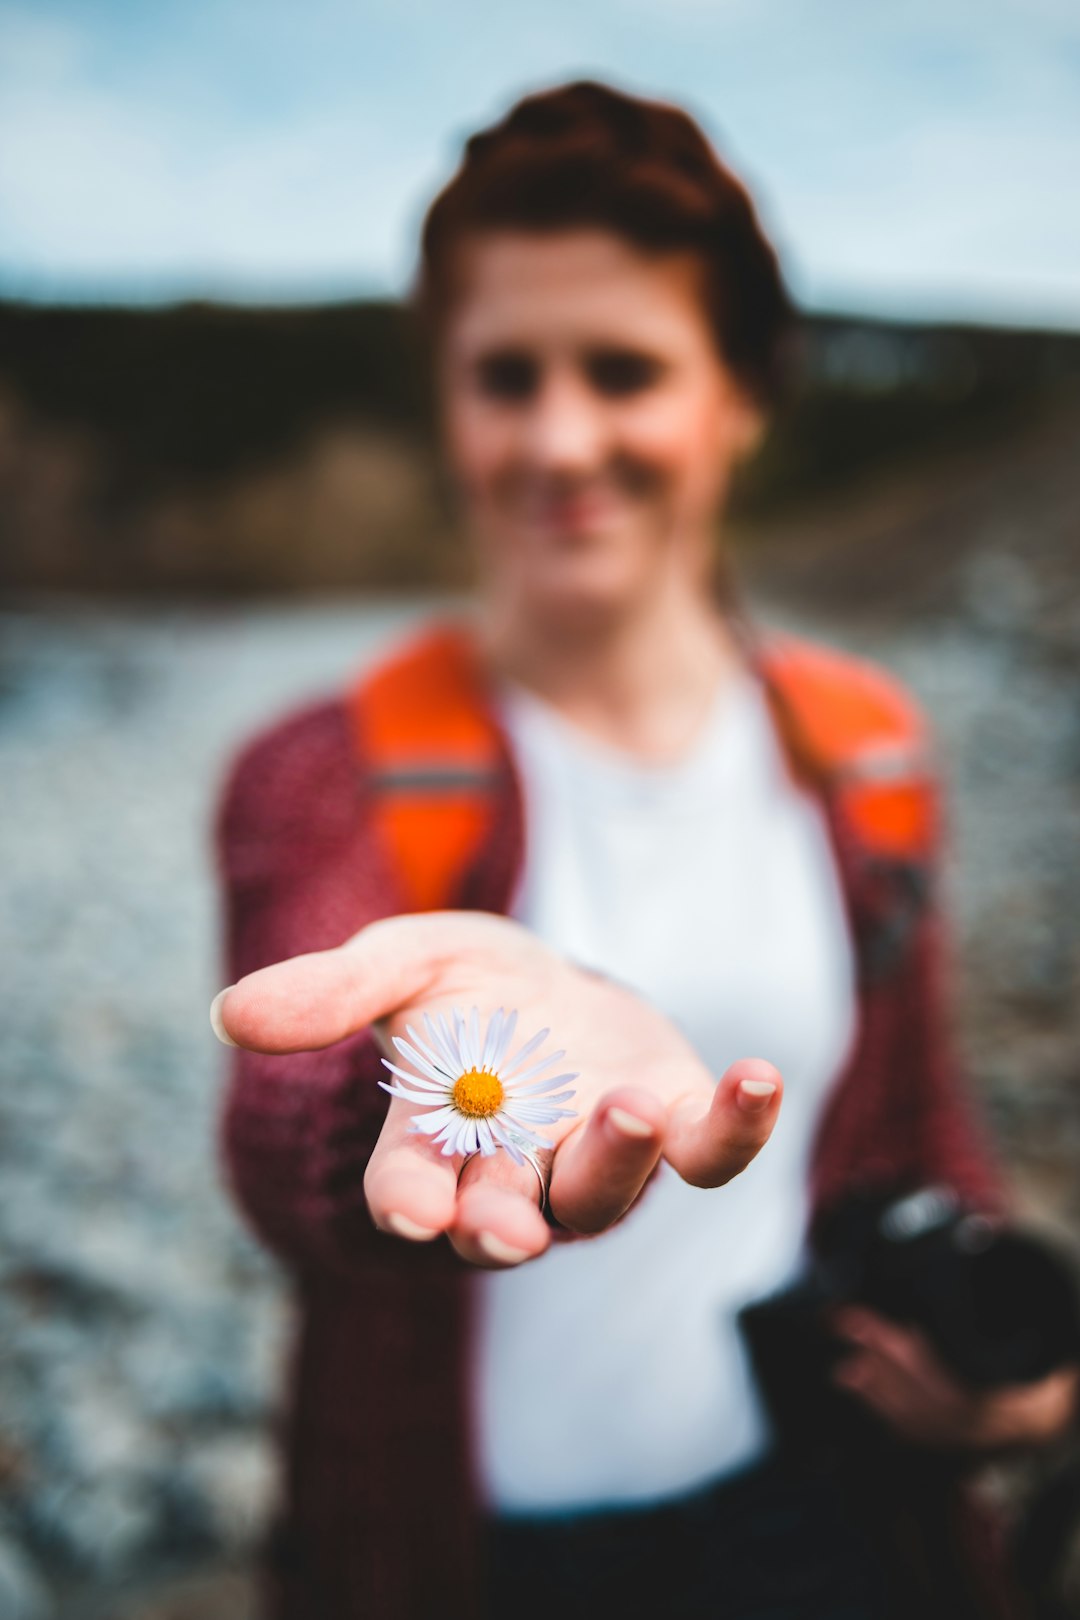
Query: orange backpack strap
[
  {"x": 424, "y": 726},
  {"x": 854, "y": 730}
]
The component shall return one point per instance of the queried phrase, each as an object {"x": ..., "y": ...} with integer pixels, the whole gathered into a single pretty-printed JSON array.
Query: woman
[{"x": 624, "y": 815}]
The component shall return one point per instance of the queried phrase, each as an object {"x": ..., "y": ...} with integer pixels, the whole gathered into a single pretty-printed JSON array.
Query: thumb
[{"x": 315, "y": 999}]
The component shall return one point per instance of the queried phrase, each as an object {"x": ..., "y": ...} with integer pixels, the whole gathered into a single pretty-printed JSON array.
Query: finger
[
  {"x": 903, "y": 1347},
  {"x": 1037, "y": 1412},
  {"x": 871, "y": 1374},
  {"x": 852, "y": 1321},
  {"x": 909, "y": 1365},
  {"x": 601, "y": 1167},
  {"x": 409, "y": 1185},
  {"x": 850, "y": 1371},
  {"x": 862, "y": 1376},
  {"x": 498, "y": 1221},
  {"x": 910, "y": 1403},
  {"x": 859, "y": 1325},
  {"x": 312, "y": 1000},
  {"x": 711, "y": 1138}
]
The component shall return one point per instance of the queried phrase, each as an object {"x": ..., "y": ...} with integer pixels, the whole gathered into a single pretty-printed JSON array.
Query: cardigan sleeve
[
  {"x": 905, "y": 1111},
  {"x": 297, "y": 872},
  {"x": 951, "y": 1137},
  {"x": 945, "y": 1135}
]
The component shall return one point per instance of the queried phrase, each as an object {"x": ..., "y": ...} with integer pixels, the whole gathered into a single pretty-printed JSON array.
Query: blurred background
[{"x": 220, "y": 495}]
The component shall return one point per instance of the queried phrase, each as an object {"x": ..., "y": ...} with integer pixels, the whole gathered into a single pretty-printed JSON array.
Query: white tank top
[{"x": 610, "y": 1370}]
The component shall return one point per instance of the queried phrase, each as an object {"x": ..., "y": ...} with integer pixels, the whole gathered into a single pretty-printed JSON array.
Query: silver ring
[{"x": 533, "y": 1158}]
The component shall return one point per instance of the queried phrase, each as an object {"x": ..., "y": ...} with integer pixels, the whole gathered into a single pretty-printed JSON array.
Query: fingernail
[
  {"x": 493, "y": 1248},
  {"x": 215, "y": 1018},
  {"x": 401, "y": 1226},
  {"x": 754, "y": 1095},
  {"x": 629, "y": 1124}
]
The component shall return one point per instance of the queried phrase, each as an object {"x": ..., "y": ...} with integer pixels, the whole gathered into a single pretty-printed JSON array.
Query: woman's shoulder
[
  {"x": 417, "y": 671},
  {"x": 291, "y": 760},
  {"x": 850, "y": 702},
  {"x": 285, "y": 743},
  {"x": 855, "y": 729}
]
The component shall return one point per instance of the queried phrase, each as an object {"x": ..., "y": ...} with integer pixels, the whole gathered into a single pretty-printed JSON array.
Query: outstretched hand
[{"x": 640, "y": 1090}]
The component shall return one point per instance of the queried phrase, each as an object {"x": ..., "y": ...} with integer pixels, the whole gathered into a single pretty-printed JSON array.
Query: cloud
[
  {"x": 94, "y": 189},
  {"x": 903, "y": 156}
]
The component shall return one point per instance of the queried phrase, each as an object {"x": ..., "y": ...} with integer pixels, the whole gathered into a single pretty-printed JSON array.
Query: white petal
[
  {"x": 486, "y": 1141},
  {"x": 530, "y": 1046},
  {"x": 440, "y": 1040},
  {"x": 530, "y": 1138},
  {"x": 448, "y": 1025},
  {"x": 535, "y": 1068},
  {"x": 506, "y": 1141},
  {"x": 432, "y": 1056},
  {"x": 442, "y": 1086},
  {"x": 421, "y": 1062},
  {"x": 540, "y": 1113},
  {"x": 514, "y": 1090},
  {"x": 505, "y": 1037},
  {"x": 474, "y": 1037},
  {"x": 456, "y": 1136},
  {"x": 491, "y": 1038},
  {"x": 509, "y": 1126},
  {"x": 463, "y": 1040},
  {"x": 449, "y": 1135},
  {"x": 432, "y": 1124},
  {"x": 426, "y": 1099}
]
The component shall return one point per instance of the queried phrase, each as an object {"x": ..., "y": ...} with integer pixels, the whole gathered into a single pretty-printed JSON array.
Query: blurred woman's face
[{"x": 589, "y": 422}]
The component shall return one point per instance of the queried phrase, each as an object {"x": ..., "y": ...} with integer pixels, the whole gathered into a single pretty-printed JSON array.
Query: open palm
[{"x": 640, "y": 1090}]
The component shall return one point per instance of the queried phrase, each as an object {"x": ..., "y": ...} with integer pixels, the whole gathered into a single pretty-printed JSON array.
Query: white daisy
[{"x": 480, "y": 1102}]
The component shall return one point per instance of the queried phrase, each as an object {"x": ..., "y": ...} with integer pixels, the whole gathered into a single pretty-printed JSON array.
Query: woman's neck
[{"x": 644, "y": 682}]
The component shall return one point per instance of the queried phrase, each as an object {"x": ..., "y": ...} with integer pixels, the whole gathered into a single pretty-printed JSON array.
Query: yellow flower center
[{"x": 478, "y": 1093}]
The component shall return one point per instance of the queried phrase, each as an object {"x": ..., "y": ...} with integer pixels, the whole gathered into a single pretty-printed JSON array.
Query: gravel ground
[{"x": 141, "y": 1328}]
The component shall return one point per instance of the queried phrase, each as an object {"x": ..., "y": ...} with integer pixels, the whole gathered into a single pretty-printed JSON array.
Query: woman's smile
[{"x": 576, "y": 513}]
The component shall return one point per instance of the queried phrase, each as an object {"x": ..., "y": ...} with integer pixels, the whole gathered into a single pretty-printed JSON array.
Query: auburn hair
[{"x": 586, "y": 154}]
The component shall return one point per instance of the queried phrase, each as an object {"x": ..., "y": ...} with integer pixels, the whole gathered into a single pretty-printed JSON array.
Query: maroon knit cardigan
[{"x": 381, "y": 1502}]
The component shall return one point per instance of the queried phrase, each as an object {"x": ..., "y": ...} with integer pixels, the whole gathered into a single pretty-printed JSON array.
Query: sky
[{"x": 918, "y": 159}]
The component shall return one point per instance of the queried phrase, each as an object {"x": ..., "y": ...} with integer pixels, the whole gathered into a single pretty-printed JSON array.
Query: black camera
[{"x": 999, "y": 1305}]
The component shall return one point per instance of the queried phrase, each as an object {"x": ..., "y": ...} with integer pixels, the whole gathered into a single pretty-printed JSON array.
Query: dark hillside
[{"x": 208, "y": 448}]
